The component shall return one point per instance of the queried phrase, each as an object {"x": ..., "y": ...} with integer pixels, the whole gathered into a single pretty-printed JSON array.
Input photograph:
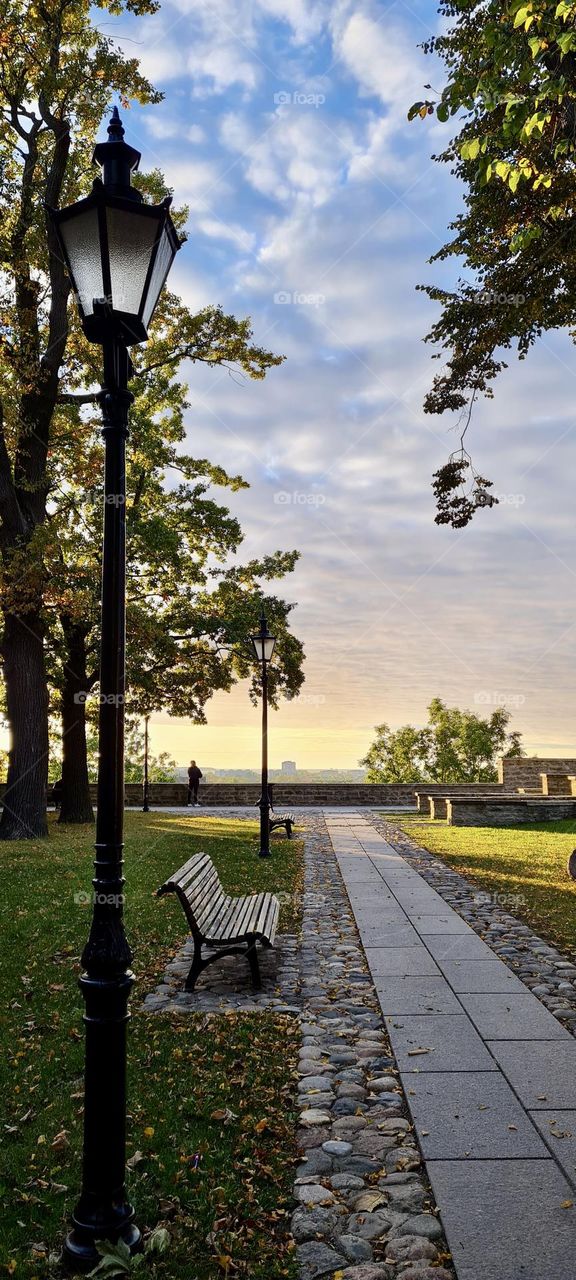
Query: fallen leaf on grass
[
  {"x": 135, "y": 1159},
  {"x": 223, "y": 1113},
  {"x": 61, "y": 1141}
]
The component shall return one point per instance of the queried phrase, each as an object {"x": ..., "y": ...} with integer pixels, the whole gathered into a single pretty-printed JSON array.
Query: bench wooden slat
[
  {"x": 206, "y": 880},
  {"x": 221, "y": 920},
  {"x": 210, "y": 913},
  {"x": 249, "y": 916},
  {"x": 240, "y": 920},
  {"x": 195, "y": 864}
]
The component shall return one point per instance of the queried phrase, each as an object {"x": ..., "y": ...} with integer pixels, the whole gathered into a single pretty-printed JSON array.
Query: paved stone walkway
[{"x": 489, "y": 1072}]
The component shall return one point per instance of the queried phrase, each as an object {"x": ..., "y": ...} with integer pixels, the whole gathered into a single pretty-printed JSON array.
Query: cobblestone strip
[
  {"x": 549, "y": 974},
  {"x": 365, "y": 1208},
  {"x": 226, "y": 983}
]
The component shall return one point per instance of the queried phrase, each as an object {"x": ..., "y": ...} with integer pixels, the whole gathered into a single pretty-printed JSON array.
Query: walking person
[{"x": 194, "y": 776}]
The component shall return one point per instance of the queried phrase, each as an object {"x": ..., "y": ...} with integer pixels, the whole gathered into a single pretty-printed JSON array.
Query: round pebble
[
  {"x": 314, "y": 1193},
  {"x": 335, "y": 1148},
  {"x": 313, "y": 1116}
]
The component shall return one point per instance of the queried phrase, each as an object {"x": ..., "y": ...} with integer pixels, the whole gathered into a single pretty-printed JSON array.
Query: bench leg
[
  {"x": 196, "y": 967},
  {"x": 289, "y": 830},
  {"x": 199, "y": 964},
  {"x": 252, "y": 956}
]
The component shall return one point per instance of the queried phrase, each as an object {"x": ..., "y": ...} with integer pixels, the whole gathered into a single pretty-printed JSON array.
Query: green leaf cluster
[{"x": 455, "y": 746}]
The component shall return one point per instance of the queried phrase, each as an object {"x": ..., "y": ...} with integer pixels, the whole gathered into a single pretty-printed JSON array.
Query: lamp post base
[{"x": 80, "y": 1253}]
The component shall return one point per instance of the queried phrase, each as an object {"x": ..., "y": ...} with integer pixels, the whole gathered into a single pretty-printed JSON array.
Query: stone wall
[
  {"x": 285, "y": 795},
  {"x": 506, "y": 812},
  {"x": 526, "y": 772}
]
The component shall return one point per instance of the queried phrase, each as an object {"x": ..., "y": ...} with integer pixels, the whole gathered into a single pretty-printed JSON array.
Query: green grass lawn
[
  {"x": 526, "y": 865},
  {"x": 229, "y": 1214}
]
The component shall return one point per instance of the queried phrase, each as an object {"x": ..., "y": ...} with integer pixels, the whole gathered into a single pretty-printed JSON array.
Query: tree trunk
[
  {"x": 76, "y": 803},
  {"x": 24, "y": 812}
]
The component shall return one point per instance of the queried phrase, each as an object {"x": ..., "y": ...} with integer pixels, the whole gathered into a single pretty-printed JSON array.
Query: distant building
[{"x": 288, "y": 766}]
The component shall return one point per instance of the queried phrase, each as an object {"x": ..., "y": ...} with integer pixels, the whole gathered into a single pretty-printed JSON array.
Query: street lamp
[
  {"x": 263, "y": 644},
  {"x": 118, "y": 252},
  {"x": 145, "y": 795}
]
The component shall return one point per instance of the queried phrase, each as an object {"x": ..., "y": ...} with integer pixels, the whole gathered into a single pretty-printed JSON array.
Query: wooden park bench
[
  {"x": 285, "y": 820},
  {"x": 225, "y": 924}
]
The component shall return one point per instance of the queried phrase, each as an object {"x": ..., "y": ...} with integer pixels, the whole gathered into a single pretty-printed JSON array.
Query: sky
[{"x": 314, "y": 208}]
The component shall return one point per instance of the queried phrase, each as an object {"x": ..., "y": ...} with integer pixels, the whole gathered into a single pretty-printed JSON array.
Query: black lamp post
[
  {"x": 118, "y": 252},
  {"x": 145, "y": 796},
  {"x": 263, "y": 644}
]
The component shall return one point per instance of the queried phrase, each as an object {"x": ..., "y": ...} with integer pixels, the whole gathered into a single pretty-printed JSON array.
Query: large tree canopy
[
  {"x": 58, "y": 73},
  {"x": 511, "y": 91},
  {"x": 455, "y": 746},
  {"x": 186, "y": 602}
]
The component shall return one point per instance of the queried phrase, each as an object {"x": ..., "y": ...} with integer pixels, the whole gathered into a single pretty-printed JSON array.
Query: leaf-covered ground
[
  {"x": 526, "y": 865},
  {"x": 220, "y": 1182}
]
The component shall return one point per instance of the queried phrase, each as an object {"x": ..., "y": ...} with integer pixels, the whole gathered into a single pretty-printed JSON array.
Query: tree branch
[{"x": 79, "y": 398}]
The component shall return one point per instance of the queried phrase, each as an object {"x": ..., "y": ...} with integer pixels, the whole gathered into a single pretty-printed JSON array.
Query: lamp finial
[{"x": 115, "y": 128}]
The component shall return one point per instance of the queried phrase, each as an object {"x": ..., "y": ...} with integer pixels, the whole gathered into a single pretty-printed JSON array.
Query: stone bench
[
  {"x": 506, "y": 811},
  {"x": 558, "y": 784},
  {"x": 426, "y": 791},
  {"x": 438, "y": 805}
]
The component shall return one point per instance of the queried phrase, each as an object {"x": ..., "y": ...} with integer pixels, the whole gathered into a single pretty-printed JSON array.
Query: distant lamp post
[
  {"x": 145, "y": 796},
  {"x": 118, "y": 251},
  {"x": 264, "y": 643}
]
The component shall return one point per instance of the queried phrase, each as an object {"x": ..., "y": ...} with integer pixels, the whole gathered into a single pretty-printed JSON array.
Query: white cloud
[
  {"x": 305, "y": 19},
  {"x": 163, "y": 127},
  {"x": 197, "y": 183},
  {"x": 216, "y": 67},
  {"x": 297, "y": 156},
  {"x": 218, "y": 230}
]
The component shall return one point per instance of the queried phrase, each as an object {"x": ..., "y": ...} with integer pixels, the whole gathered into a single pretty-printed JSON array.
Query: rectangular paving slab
[
  {"x": 514, "y": 1017},
  {"x": 389, "y": 935},
  {"x": 380, "y": 911},
  {"x": 481, "y": 976},
  {"x": 558, "y": 1128},
  {"x": 543, "y": 1073},
  {"x": 415, "y": 995},
  {"x": 461, "y": 946},
  {"x": 401, "y": 961},
  {"x": 442, "y": 921},
  {"x": 463, "y": 1115},
  {"x": 453, "y": 1044},
  {"x": 504, "y": 1219}
]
